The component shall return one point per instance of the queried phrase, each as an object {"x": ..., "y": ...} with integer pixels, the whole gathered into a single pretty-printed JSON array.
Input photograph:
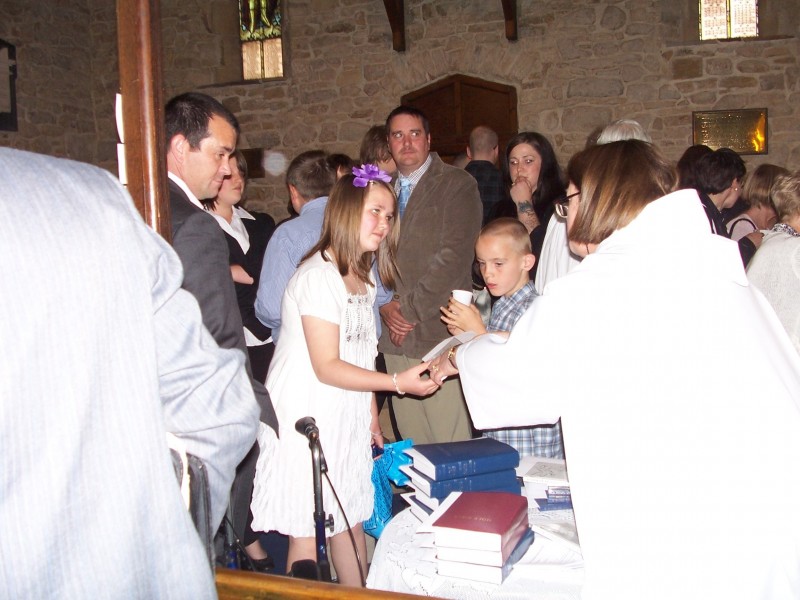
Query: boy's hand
[{"x": 462, "y": 317}]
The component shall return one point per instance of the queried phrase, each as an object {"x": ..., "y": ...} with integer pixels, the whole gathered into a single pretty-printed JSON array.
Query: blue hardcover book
[
  {"x": 448, "y": 460},
  {"x": 496, "y": 481},
  {"x": 544, "y": 504}
]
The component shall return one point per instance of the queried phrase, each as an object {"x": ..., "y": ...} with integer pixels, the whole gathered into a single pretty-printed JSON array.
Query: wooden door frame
[{"x": 139, "y": 44}]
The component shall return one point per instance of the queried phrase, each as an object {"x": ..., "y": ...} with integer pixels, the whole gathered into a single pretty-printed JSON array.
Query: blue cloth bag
[{"x": 385, "y": 469}]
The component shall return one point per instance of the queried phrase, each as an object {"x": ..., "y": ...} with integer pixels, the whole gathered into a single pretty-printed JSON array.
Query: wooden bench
[{"x": 244, "y": 585}]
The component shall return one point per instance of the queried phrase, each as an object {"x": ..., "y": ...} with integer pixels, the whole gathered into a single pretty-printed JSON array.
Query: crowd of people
[{"x": 619, "y": 329}]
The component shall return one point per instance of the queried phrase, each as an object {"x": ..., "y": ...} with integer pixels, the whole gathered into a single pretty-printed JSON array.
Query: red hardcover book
[{"x": 482, "y": 521}]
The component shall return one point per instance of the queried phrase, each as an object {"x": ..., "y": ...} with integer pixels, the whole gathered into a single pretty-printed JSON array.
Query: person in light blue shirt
[{"x": 309, "y": 180}]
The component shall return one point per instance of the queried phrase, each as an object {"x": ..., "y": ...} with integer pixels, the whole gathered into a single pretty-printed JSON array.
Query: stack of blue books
[
  {"x": 478, "y": 465},
  {"x": 559, "y": 497}
]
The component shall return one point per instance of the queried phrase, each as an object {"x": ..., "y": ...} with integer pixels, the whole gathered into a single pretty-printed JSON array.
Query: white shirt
[
  {"x": 182, "y": 184},
  {"x": 775, "y": 270},
  {"x": 555, "y": 260},
  {"x": 236, "y": 228}
]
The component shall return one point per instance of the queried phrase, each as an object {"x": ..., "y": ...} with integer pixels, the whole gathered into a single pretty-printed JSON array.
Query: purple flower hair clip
[{"x": 369, "y": 173}]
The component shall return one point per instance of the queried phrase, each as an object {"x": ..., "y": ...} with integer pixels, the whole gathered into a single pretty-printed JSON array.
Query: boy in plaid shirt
[{"x": 503, "y": 253}]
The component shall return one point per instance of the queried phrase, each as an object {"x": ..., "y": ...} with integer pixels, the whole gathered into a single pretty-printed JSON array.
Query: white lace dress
[{"x": 283, "y": 498}]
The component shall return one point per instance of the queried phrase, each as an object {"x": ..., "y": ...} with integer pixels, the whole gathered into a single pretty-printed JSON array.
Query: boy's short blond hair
[{"x": 513, "y": 230}]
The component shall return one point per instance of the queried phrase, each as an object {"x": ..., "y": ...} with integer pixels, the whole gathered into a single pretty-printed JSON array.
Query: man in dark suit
[
  {"x": 201, "y": 135},
  {"x": 440, "y": 215}
]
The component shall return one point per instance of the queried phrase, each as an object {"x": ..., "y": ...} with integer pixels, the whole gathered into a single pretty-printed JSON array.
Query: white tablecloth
[{"x": 400, "y": 564}]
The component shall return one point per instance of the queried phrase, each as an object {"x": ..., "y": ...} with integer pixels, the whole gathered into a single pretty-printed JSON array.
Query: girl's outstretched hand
[{"x": 411, "y": 381}]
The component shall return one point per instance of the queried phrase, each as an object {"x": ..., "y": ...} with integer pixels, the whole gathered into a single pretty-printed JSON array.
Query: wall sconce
[{"x": 8, "y": 93}]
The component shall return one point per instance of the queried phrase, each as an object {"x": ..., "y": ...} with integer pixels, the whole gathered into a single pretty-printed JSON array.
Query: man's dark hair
[
  {"x": 340, "y": 161},
  {"x": 312, "y": 174},
  {"x": 188, "y": 115},
  {"x": 687, "y": 165},
  {"x": 716, "y": 171},
  {"x": 411, "y": 111}
]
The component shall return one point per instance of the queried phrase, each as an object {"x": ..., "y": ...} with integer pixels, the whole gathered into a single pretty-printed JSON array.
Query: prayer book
[
  {"x": 418, "y": 509},
  {"x": 497, "y": 480},
  {"x": 445, "y": 345},
  {"x": 448, "y": 460},
  {"x": 490, "y": 558},
  {"x": 482, "y": 572},
  {"x": 422, "y": 498},
  {"x": 545, "y": 474},
  {"x": 482, "y": 521},
  {"x": 434, "y": 503},
  {"x": 563, "y": 532},
  {"x": 547, "y": 504}
]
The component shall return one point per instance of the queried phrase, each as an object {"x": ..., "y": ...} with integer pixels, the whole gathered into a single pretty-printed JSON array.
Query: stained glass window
[
  {"x": 260, "y": 25},
  {"x": 724, "y": 19}
]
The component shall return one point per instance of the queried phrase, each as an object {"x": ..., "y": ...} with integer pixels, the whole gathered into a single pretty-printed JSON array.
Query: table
[{"x": 402, "y": 564}]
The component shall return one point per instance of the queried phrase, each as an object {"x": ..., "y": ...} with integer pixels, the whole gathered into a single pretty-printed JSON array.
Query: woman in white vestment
[{"x": 682, "y": 435}]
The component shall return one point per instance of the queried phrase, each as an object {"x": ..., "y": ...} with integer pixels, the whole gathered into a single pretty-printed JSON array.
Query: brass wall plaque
[{"x": 744, "y": 131}]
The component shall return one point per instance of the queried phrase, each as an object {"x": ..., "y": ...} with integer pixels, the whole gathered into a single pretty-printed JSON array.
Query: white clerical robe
[{"x": 678, "y": 391}]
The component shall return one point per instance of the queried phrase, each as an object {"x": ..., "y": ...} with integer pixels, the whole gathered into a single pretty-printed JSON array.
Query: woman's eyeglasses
[{"x": 562, "y": 204}]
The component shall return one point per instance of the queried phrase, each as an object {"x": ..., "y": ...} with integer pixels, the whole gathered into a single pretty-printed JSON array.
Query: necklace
[{"x": 785, "y": 228}]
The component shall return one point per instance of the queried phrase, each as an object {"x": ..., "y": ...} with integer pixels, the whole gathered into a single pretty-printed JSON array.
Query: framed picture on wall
[{"x": 744, "y": 131}]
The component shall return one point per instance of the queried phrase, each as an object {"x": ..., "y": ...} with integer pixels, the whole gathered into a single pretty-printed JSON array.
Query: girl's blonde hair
[
  {"x": 341, "y": 229},
  {"x": 786, "y": 195},
  {"x": 758, "y": 183}
]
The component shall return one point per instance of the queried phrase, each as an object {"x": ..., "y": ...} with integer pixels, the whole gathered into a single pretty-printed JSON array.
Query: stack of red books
[{"x": 482, "y": 535}]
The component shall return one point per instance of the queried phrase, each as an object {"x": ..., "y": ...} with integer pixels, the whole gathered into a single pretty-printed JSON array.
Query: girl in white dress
[{"x": 324, "y": 367}]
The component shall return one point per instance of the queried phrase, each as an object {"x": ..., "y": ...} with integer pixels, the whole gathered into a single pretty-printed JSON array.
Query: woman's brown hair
[{"x": 617, "y": 181}]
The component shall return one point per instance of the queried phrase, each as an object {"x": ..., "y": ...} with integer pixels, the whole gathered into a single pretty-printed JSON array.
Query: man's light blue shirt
[
  {"x": 290, "y": 242},
  {"x": 383, "y": 295}
]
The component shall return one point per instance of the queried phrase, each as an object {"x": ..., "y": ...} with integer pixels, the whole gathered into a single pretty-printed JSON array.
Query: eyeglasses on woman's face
[{"x": 562, "y": 204}]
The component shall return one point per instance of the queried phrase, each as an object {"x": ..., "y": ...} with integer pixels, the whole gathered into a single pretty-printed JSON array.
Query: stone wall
[
  {"x": 578, "y": 64},
  {"x": 55, "y": 108}
]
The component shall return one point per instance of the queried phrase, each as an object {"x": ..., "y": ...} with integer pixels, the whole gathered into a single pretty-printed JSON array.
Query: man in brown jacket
[{"x": 438, "y": 228}]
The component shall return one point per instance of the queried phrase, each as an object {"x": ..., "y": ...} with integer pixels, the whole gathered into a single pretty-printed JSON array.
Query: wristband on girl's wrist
[
  {"x": 394, "y": 381},
  {"x": 451, "y": 356}
]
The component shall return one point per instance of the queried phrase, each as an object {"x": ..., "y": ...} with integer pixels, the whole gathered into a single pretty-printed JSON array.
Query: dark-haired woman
[{"x": 534, "y": 184}]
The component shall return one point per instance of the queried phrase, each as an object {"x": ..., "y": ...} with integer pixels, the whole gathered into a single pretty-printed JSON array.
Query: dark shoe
[{"x": 258, "y": 565}]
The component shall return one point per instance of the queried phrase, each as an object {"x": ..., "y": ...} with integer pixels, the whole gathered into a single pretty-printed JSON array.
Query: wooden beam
[
  {"x": 139, "y": 43},
  {"x": 241, "y": 585},
  {"x": 510, "y": 16},
  {"x": 396, "y": 11}
]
